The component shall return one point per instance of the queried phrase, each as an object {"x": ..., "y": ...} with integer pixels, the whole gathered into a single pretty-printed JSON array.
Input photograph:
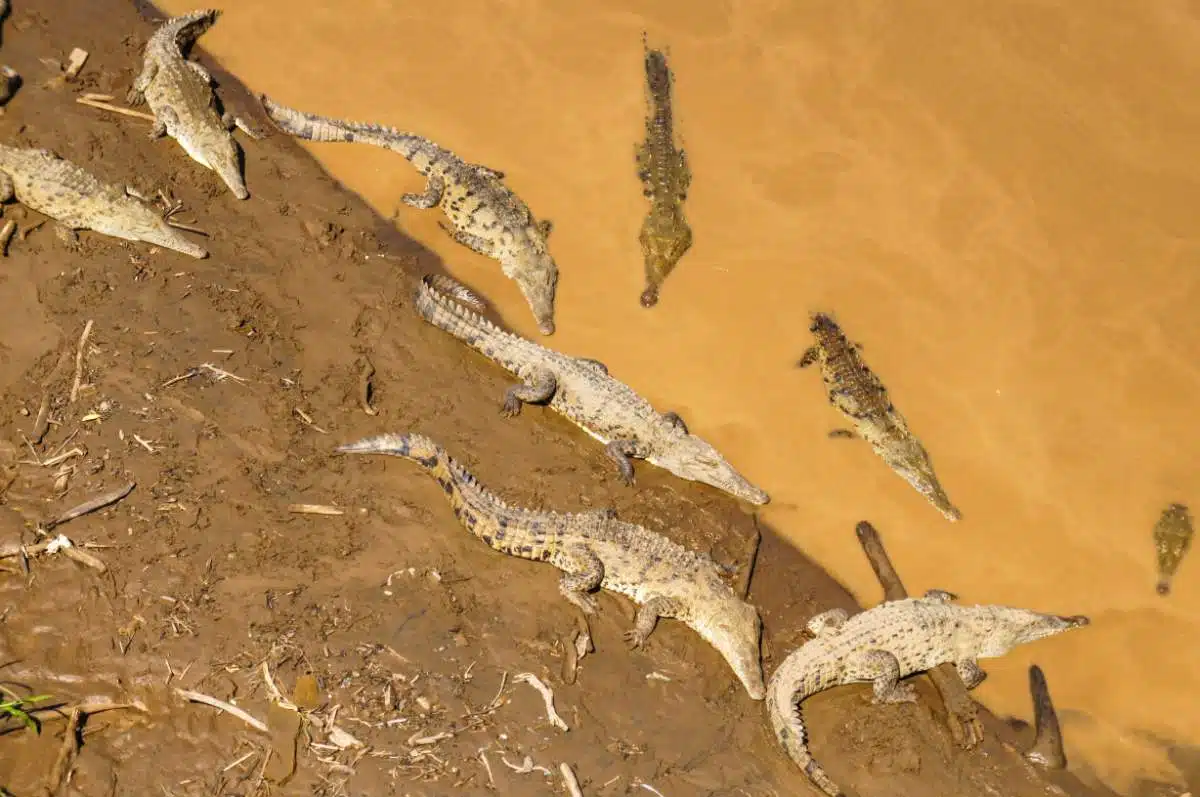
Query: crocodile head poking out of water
[
  {"x": 907, "y": 457},
  {"x": 691, "y": 458},
  {"x": 734, "y": 628}
]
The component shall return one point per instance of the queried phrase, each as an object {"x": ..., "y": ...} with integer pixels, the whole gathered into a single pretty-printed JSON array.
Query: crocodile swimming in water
[
  {"x": 1172, "y": 537},
  {"x": 890, "y": 642},
  {"x": 595, "y": 551},
  {"x": 855, "y": 390},
  {"x": 485, "y": 215},
  {"x": 665, "y": 235},
  {"x": 583, "y": 391}
]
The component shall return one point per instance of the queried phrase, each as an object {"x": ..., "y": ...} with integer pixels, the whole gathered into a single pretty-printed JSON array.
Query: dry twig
[
  {"x": 314, "y": 509},
  {"x": 569, "y": 780},
  {"x": 547, "y": 696},
  {"x": 90, "y": 505},
  {"x": 365, "y": 387},
  {"x": 6, "y": 234},
  {"x": 221, "y": 705},
  {"x": 85, "y": 100},
  {"x": 79, "y": 354}
]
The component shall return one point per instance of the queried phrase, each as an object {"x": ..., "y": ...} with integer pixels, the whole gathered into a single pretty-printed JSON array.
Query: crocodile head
[
  {"x": 691, "y": 458},
  {"x": 734, "y": 628},
  {"x": 217, "y": 150},
  {"x": 663, "y": 245},
  {"x": 1005, "y": 627},
  {"x": 537, "y": 277},
  {"x": 908, "y": 458}
]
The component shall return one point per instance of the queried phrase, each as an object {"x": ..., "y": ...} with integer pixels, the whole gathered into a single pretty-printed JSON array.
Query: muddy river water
[{"x": 997, "y": 199}]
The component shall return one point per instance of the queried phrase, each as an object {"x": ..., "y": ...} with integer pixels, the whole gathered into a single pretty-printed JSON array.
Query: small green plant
[{"x": 19, "y": 707}]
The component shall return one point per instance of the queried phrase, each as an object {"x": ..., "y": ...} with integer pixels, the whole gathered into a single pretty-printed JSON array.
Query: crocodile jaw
[
  {"x": 1008, "y": 627},
  {"x": 536, "y": 274},
  {"x": 911, "y": 463},
  {"x": 691, "y": 458},
  {"x": 735, "y": 630},
  {"x": 216, "y": 152}
]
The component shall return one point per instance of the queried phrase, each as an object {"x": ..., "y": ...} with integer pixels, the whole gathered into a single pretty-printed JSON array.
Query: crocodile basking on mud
[
  {"x": 855, "y": 390},
  {"x": 665, "y": 176},
  {"x": 889, "y": 642},
  {"x": 180, "y": 95},
  {"x": 485, "y": 215},
  {"x": 583, "y": 391},
  {"x": 78, "y": 200},
  {"x": 595, "y": 550}
]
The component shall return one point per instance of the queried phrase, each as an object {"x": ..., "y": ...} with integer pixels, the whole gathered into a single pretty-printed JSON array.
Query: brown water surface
[{"x": 997, "y": 199}]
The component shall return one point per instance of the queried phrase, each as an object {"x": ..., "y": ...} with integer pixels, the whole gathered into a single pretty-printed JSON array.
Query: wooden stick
[
  {"x": 91, "y": 505},
  {"x": 965, "y": 726},
  {"x": 1047, "y": 750},
  {"x": 221, "y": 705},
  {"x": 751, "y": 560},
  {"x": 115, "y": 109},
  {"x": 87, "y": 330}
]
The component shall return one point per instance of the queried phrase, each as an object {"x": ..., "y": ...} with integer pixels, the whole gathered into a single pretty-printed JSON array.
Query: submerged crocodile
[
  {"x": 78, "y": 200},
  {"x": 180, "y": 95},
  {"x": 582, "y": 391},
  {"x": 1172, "y": 537},
  {"x": 663, "y": 169},
  {"x": 485, "y": 215},
  {"x": 595, "y": 550},
  {"x": 889, "y": 642},
  {"x": 855, "y": 390}
]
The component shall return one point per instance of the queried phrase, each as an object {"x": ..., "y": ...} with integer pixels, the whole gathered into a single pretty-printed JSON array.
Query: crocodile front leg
[
  {"x": 881, "y": 668},
  {"x": 971, "y": 673},
  {"x": 647, "y": 617},
  {"x": 620, "y": 451},
  {"x": 827, "y": 621},
  {"x": 537, "y": 389},
  {"x": 674, "y": 419},
  {"x": 136, "y": 94},
  {"x": 435, "y": 186}
]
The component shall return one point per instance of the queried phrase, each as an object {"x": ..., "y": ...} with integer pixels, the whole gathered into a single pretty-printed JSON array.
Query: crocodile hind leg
[
  {"x": 583, "y": 572},
  {"x": 435, "y": 186},
  {"x": 230, "y": 121},
  {"x": 647, "y": 617},
  {"x": 809, "y": 357},
  {"x": 620, "y": 451},
  {"x": 473, "y": 242},
  {"x": 538, "y": 388},
  {"x": 881, "y": 668}
]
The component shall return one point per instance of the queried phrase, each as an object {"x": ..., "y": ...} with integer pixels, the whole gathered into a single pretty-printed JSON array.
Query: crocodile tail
[
  {"x": 783, "y": 708},
  {"x": 186, "y": 28},
  {"x": 313, "y": 127},
  {"x": 473, "y": 504},
  {"x": 447, "y": 304}
]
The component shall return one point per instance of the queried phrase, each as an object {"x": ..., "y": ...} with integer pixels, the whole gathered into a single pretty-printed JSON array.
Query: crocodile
[
  {"x": 180, "y": 95},
  {"x": 485, "y": 215},
  {"x": 585, "y": 393},
  {"x": 1172, "y": 538},
  {"x": 855, "y": 391},
  {"x": 665, "y": 235},
  {"x": 595, "y": 550},
  {"x": 78, "y": 200},
  {"x": 889, "y": 642}
]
